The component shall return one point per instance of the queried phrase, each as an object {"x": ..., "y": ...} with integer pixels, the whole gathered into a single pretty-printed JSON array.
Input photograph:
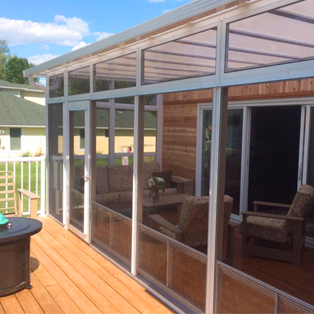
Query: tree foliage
[{"x": 12, "y": 67}]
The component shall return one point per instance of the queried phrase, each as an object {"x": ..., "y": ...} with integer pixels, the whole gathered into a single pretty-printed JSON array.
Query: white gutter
[
  {"x": 21, "y": 88},
  {"x": 186, "y": 12}
]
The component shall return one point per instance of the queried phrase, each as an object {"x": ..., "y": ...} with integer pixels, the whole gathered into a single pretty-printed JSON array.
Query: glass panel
[
  {"x": 15, "y": 138},
  {"x": 56, "y": 86},
  {"x": 79, "y": 81},
  {"x": 150, "y": 133},
  {"x": 238, "y": 294},
  {"x": 174, "y": 265},
  {"x": 188, "y": 57},
  {"x": 206, "y": 149},
  {"x": 233, "y": 155},
  {"x": 56, "y": 161},
  {"x": 124, "y": 131},
  {"x": 77, "y": 170},
  {"x": 112, "y": 232},
  {"x": 115, "y": 73},
  {"x": 279, "y": 36},
  {"x": 310, "y": 177}
]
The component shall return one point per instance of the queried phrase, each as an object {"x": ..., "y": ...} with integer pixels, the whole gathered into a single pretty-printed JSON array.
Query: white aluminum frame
[
  {"x": 189, "y": 20},
  {"x": 71, "y": 107}
]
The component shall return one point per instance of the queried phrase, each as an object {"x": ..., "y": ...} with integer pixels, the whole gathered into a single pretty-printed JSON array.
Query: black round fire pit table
[{"x": 15, "y": 254}]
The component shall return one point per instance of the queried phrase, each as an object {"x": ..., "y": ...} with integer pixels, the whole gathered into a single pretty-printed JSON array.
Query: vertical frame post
[
  {"x": 42, "y": 186},
  {"x": 138, "y": 160},
  {"x": 216, "y": 192}
]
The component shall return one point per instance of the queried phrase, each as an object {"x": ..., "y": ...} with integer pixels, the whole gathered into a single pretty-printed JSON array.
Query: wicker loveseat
[{"x": 114, "y": 183}]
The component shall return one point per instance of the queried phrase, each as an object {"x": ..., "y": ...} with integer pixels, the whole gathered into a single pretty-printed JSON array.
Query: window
[
  {"x": 82, "y": 139},
  {"x": 79, "y": 81},
  {"x": 15, "y": 139},
  {"x": 115, "y": 73},
  {"x": 278, "y": 36},
  {"x": 188, "y": 57},
  {"x": 56, "y": 86}
]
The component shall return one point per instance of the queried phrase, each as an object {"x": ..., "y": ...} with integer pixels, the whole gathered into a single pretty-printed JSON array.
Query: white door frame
[{"x": 70, "y": 107}]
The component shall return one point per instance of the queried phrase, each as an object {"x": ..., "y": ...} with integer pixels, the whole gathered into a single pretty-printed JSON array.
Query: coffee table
[
  {"x": 15, "y": 254},
  {"x": 164, "y": 201}
]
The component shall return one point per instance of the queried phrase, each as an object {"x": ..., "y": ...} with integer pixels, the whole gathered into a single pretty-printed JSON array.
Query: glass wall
[
  {"x": 56, "y": 160},
  {"x": 112, "y": 205},
  {"x": 79, "y": 81},
  {"x": 188, "y": 57},
  {"x": 115, "y": 73},
  {"x": 56, "y": 86},
  {"x": 279, "y": 36}
]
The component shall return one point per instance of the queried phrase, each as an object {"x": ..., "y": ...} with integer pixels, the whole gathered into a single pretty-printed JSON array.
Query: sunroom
[{"x": 216, "y": 98}]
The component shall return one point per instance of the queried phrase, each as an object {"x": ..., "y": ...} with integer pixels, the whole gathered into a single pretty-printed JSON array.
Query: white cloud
[
  {"x": 80, "y": 45},
  {"x": 102, "y": 35},
  {"x": 38, "y": 59},
  {"x": 154, "y": 1},
  {"x": 63, "y": 31}
]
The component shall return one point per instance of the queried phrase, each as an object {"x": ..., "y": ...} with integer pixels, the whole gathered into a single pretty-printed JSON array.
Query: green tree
[
  {"x": 14, "y": 68},
  {"x": 4, "y": 52}
]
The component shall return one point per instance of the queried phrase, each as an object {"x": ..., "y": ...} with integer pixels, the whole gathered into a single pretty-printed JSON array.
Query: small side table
[{"x": 15, "y": 254}]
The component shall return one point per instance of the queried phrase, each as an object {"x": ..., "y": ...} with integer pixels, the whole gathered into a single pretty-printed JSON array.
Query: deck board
[{"x": 68, "y": 276}]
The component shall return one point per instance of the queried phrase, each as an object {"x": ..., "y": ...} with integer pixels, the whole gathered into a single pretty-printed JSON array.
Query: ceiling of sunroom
[{"x": 279, "y": 36}]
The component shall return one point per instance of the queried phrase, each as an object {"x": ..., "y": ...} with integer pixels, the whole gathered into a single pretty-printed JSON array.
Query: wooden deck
[{"x": 70, "y": 277}]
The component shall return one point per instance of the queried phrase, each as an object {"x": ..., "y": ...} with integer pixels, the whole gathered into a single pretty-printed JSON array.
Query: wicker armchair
[
  {"x": 279, "y": 237},
  {"x": 192, "y": 229}
]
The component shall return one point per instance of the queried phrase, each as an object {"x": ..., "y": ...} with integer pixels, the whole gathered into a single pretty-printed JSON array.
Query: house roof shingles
[
  {"x": 5, "y": 84},
  {"x": 16, "y": 111}
]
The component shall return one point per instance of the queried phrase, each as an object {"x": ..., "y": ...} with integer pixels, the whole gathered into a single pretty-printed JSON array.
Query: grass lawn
[{"x": 18, "y": 175}]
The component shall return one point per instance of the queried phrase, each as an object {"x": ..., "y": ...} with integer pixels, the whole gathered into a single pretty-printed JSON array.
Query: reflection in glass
[
  {"x": 115, "y": 73},
  {"x": 233, "y": 155},
  {"x": 56, "y": 86},
  {"x": 56, "y": 160},
  {"x": 279, "y": 36},
  {"x": 77, "y": 170},
  {"x": 79, "y": 81},
  {"x": 188, "y": 57}
]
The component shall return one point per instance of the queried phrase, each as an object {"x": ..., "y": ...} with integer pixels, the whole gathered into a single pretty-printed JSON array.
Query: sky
[{"x": 42, "y": 30}]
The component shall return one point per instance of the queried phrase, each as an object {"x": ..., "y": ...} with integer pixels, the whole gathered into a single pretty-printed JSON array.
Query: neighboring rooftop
[
  {"x": 9, "y": 85},
  {"x": 16, "y": 111}
]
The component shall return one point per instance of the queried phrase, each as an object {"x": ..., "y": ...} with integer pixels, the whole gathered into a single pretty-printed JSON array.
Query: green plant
[{"x": 26, "y": 154}]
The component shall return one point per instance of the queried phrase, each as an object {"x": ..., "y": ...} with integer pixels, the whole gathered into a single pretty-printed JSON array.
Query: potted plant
[{"x": 155, "y": 185}]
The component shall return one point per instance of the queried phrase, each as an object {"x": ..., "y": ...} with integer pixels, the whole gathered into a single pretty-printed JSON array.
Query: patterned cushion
[
  {"x": 171, "y": 191},
  {"x": 267, "y": 229},
  {"x": 300, "y": 204},
  {"x": 194, "y": 219},
  {"x": 102, "y": 186},
  {"x": 120, "y": 178},
  {"x": 106, "y": 199}
]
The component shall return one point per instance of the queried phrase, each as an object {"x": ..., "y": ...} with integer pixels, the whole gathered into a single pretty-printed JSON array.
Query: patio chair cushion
[
  {"x": 269, "y": 229},
  {"x": 102, "y": 185},
  {"x": 194, "y": 220},
  {"x": 120, "y": 178},
  {"x": 106, "y": 199},
  {"x": 300, "y": 203}
]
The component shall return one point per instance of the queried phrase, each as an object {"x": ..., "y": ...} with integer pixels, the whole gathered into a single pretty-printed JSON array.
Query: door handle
[{"x": 86, "y": 178}]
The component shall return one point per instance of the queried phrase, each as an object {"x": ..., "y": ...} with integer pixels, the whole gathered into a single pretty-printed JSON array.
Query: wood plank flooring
[{"x": 69, "y": 277}]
